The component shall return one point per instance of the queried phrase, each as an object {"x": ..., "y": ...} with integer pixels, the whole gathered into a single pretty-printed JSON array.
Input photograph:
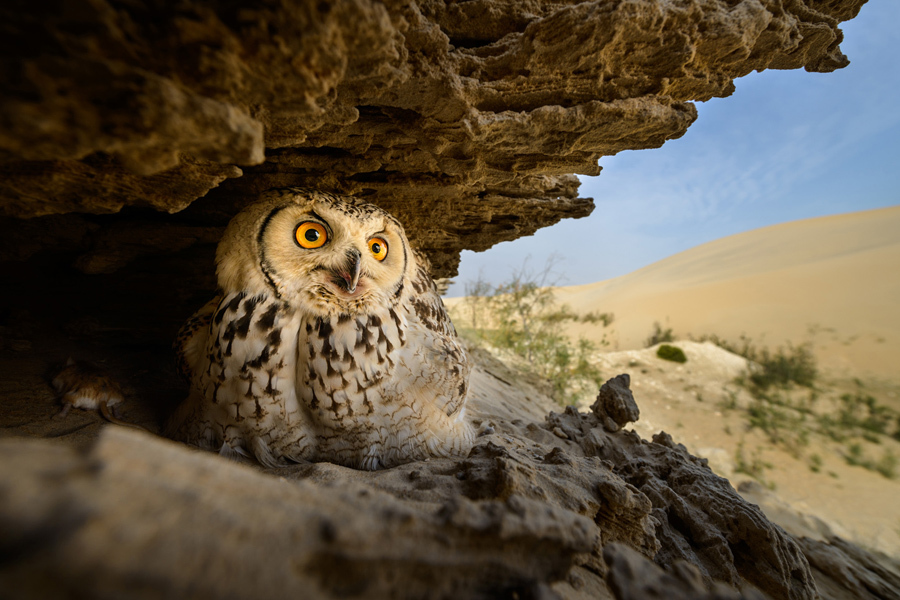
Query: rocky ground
[{"x": 549, "y": 503}]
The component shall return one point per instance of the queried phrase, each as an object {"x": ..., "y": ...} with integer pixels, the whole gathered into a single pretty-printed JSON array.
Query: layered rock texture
[
  {"x": 464, "y": 119},
  {"x": 553, "y": 507},
  {"x": 130, "y": 132}
]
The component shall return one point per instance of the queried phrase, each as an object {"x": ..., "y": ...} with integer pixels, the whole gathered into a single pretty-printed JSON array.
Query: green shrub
[
  {"x": 854, "y": 456},
  {"x": 755, "y": 466},
  {"x": 815, "y": 463},
  {"x": 782, "y": 423},
  {"x": 886, "y": 465},
  {"x": 521, "y": 316},
  {"x": 859, "y": 414},
  {"x": 659, "y": 335},
  {"x": 796, "y": 365},
  {"x": 730, "y": 402},
  {"x": 673, "y": 353},
  {"x": 780, "y": 370}
]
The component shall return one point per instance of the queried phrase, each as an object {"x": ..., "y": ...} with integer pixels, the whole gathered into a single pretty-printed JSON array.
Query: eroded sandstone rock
[
  {"x": 633, "y": 577},
  {"x": 518, "y": 514},
  {"x": 699, "y": 518},
  {"x": 466, "y": 120},
  {"x": 143, "y": 516},
  {"x": 590, "y": 513},
  {"x": 845, "y": 570},
  {"x": 615, "y": 405}
]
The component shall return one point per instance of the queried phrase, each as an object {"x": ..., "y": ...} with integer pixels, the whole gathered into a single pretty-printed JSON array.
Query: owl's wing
[
  {"x": 436, "y": 337},
  {"x": 190, "y": 343},
  {"x": 426, "y": 301}
]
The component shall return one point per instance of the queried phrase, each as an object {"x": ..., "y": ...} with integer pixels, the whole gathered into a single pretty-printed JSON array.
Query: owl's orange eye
[
  {"x": 378, "y": 247},
  {"x": 311, "y": 235}
]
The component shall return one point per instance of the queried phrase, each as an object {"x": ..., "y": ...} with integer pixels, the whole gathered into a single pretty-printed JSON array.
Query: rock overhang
[{"x": 466, "y": 120}]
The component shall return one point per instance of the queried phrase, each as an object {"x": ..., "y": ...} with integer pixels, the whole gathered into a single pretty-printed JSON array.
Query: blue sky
[{"x": 786, "y": 145}]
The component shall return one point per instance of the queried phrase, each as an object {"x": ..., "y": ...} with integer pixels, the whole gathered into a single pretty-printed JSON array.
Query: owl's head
[{"x": 323, "y": 253}]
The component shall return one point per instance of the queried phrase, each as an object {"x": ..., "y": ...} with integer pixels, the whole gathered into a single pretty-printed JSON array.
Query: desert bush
[
  {"x": 598, "y": 317},
  {"x": 783, "y": 424},
  {"x": 744, "y": 348},
  {"x": 794, "y": 365},
  {"x": 886, "y": 465},
  {"x": 477, "y": 297},
  {"x": 815, "y": 463},
  {"x": 781, "y": 411},
  {"x": 521, "y": 316},
  {"x": 659, "y": 335},
  {"x": 672, "y": 353},
  {"x": 863, "y": 411},
  {"x": 860, "y": 415},
  {"x": 729, "y": 401},
  {"x": 754, "y": 466}
]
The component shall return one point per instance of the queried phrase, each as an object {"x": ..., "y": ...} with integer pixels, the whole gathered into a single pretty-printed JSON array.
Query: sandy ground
[
  {"x": 690, "y": 402},
  {"x": 832, "y": 281}
]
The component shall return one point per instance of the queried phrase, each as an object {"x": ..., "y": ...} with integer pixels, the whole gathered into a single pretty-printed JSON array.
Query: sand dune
[{"x": 833, "y": 281}]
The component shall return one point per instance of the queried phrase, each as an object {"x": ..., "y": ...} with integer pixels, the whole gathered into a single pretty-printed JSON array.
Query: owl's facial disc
[{"x": 324, "y": 257}]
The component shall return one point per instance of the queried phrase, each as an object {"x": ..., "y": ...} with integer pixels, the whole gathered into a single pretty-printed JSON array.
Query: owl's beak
[{"x": 348, "y": 277}]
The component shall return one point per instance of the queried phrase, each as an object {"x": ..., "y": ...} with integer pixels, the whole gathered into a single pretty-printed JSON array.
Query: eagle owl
[{"x": 327, "y": 341}]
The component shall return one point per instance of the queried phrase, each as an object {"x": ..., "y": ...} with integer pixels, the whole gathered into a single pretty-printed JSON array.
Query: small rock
[
  {"x": 615, "y": 405},
  {"x": 560, "y": 433}
]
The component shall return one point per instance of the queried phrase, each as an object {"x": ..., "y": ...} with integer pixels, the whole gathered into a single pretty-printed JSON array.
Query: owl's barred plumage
[{"x": 322, "y": 350}]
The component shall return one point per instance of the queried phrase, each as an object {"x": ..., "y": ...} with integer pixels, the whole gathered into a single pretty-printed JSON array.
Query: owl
[{"x": 327, "y": 341}]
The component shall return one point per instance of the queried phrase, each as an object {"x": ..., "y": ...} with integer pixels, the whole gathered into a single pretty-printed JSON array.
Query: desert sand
[{"x": 831, "y": 281}]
